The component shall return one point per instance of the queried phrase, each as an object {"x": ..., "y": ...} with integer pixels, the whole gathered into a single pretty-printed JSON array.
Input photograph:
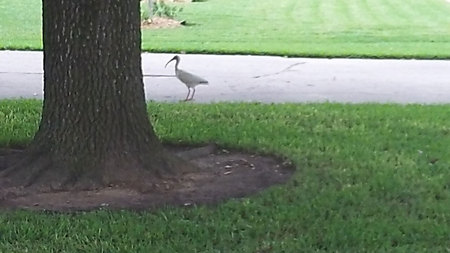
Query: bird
[{"x": 189, "y": 79}]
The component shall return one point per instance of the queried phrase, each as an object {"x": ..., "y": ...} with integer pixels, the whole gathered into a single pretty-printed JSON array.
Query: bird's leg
[
  {"x": 193, "y": 93},
  {"x": 189, "y": 91}
]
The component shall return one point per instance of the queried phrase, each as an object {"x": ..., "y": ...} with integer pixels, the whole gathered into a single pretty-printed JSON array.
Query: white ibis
[{"x": 190, "y": 80}]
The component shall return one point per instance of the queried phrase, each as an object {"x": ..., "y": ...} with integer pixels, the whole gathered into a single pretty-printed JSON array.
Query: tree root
[{"x": 41, "y": 172}]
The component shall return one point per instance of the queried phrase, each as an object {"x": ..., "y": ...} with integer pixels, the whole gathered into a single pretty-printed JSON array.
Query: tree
[{"x": 94, "y": 130}]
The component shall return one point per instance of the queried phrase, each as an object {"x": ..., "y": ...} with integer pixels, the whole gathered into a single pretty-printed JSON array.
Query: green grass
[
  {"x": 370, "y": 178},
  {"x": 325, "y": 28}
]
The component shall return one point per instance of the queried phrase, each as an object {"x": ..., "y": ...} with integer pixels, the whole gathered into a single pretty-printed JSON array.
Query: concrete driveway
[{"x": 263, "y": 79}]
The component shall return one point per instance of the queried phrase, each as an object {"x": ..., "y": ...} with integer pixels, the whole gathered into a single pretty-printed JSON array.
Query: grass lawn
[
  {"x": 370, "y": 178},
  {"x": 325, "y": 28}
]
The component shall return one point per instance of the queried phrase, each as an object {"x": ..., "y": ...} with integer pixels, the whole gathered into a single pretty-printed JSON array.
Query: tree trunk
[{"x": 94, "y": 130}]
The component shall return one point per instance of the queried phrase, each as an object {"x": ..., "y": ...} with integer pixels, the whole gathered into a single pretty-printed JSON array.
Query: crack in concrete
[{"x": 279, "y": 72}]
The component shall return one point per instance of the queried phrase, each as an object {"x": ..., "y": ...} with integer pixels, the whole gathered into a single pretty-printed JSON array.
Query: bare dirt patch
[
  {"x": 224, "y": 174},
  {"x": 160, "y": 22}
]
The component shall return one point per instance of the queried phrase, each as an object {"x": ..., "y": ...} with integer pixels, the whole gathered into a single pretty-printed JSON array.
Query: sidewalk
[{"x": 263, "y": 79}]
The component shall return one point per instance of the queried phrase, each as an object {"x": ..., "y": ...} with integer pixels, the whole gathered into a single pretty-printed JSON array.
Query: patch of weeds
[
  {"x": 162, "y": 9},
  {"x": 150, "y": 9},
  {"x": 145, "y": 11}
]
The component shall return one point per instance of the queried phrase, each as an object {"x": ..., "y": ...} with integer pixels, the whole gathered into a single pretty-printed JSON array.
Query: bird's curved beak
[{"x": 170, "y": 61}]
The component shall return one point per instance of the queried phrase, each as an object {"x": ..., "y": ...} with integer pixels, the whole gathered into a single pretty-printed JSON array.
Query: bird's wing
[{"x": 189, "y": 78}]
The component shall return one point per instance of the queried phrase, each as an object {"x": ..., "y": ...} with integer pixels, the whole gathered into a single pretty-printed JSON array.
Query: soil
[
  {"x": 160, "y": 22},
  {"x": 224, "y": 174}
]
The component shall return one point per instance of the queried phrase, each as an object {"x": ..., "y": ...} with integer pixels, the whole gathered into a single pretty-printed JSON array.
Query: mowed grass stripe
[
  {"x": 290, "y": 11},
  {"x": 383, "y": 19},
  {"x": 395, "y": 12},
  {"x": 333, "y": 16},
  {"x": 433, "y": 12},
  {"x": 413, "y": 18},
  {"x": 342, "y": 15},
  {"x": 368, "y": 9},
  {"x": 360, "y": 16},
  {"x": 425, "y": 15}
]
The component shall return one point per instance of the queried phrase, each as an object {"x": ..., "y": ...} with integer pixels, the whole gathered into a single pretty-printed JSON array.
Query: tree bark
[{"x": 94, "y": 130}]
